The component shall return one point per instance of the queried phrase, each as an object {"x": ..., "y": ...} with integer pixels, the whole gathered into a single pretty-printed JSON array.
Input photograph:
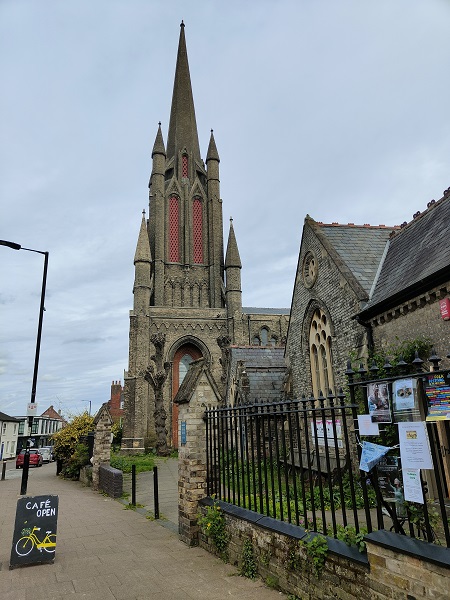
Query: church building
[{"x": 187, "y": 294}]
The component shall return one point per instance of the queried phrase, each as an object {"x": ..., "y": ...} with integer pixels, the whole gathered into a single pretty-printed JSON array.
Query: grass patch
[{"x": 143, "y": 462}]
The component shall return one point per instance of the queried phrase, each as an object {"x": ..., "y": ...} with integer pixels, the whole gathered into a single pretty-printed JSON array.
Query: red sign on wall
[{"x": 445, "y": 308}]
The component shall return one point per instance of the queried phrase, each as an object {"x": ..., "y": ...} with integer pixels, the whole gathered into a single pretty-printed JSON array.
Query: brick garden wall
[
  {"x": 395, "y": 568},
  {"x": 384, "y": 574},
  {"x": 110, "y": 481}
]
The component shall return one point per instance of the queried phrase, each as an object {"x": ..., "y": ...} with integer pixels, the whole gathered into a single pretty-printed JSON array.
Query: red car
[{"x": 35, "y": 458}]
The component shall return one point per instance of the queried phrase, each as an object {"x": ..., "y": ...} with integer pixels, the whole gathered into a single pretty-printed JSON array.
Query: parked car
[
  {"x": 35, "y": 458},
  {"x": 47, "y": 453}
]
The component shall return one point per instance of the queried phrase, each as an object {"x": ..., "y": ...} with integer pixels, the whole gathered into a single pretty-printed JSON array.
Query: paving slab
[{"x": 105, "y": 552}]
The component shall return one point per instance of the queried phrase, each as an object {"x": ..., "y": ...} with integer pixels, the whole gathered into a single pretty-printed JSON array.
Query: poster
[
  {"x": 330, "y": 434},
  {"x": 379, "y": 402},
  {"x": 371, "y": 455},
  {"x": 405, "y": 401},
  {"x": 366, "y": 426},
  {"x": 390, "y": 479},
  {"x": 437, "y": 390},
  {"x": 413, "y": 486},
  {"x": 414, "y": 445}
]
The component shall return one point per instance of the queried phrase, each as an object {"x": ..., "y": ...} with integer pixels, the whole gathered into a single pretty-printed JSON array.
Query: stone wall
[
  {"x": 419, "y": 317},
  {"x": 402, "y": 571},
  {"x": 102, "y": 443},
  {"x": 192, "y": 459}
]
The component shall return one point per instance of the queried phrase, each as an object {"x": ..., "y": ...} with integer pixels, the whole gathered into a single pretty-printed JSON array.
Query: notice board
[{"x": 34, "y": 538}]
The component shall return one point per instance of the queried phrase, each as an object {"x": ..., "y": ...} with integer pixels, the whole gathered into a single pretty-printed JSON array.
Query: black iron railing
[{"x": 298, "y": 461}]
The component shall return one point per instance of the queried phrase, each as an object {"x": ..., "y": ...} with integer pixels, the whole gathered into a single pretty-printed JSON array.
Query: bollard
[
  {"x": 3, "y": 470},
  {"x": 155, "y": 491},
  {"x": 133, "y": 485}
]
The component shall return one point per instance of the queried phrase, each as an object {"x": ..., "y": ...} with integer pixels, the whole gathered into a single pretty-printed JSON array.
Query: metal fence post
[
  {"x": 133, "y": 485},
  {"x": 156, "y": 491}
]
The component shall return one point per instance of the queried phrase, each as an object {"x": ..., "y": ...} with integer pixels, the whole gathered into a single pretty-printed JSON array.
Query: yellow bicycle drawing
[{"x": 25, "y": 545}]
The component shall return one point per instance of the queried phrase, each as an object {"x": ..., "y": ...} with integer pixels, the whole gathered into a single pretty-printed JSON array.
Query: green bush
[
  {"x": 213, "y": 525},
  {"x": 66, "y": 445},
  {"x": 79, "y": 458}
]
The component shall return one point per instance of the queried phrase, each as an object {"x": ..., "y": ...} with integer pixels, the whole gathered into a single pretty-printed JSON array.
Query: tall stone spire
[
  {"x": 232, "y": 258},
  {"x": 182, "y": 126},
  {"x": 143, "y": 253},
  {"x": 142, "y": 288},
  {"x": 158, "y": 146},
  {"x": 233, "y": 289},
  {"x": 212, "y": 149}
]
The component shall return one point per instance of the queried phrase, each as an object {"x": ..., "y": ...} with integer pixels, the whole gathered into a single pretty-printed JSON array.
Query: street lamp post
[
  {"x": 26, "y": 461},
  {"x": 90, "y": 405}
]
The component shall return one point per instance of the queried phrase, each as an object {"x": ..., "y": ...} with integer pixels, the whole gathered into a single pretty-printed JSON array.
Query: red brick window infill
[
  {"x": 174, "y": 229},
  {"x": 184, "y": 166},
  {"x": 197, "y": 217}
]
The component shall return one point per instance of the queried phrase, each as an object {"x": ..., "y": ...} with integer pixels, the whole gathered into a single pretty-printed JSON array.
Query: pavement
[
  {"x": 167, "y": 475},
  {"x": 106, "y": 552}
]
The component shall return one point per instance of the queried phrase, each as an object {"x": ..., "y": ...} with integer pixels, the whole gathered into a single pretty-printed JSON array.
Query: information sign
[
  {"x": 183, "y": 433},
  {"x": 437, "y": 389},
  {"x": 34, "y": 539}
]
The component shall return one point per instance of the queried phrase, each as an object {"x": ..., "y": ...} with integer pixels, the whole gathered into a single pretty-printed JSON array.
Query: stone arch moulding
[
  {"x": 311, "y": 308},
  {"x": 190, "y": 348},
  {"x": 189, "y": 339},
  {"x": 320, "y": 349},
  {"x": 308, "y": 316}
]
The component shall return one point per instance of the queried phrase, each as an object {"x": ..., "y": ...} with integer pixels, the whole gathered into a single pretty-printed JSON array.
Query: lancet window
[
  {"x": 320, "y": 354},
  {"x": 174, "y": 229},
  {"x": 197, "y": 221}
]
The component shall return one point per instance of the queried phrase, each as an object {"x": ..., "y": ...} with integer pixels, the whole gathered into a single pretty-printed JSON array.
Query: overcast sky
[{"x": 335, "y": 108}]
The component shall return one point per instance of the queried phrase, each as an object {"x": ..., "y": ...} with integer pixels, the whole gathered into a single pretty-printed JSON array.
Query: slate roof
[
  {"x": 360, "y": 247},
  {"x": 417, "y": 254},
  {"x": 187, "y": 387},
  {"x": 5, "y": 417},
  {"x": 251, "y": 310},
  {"x": 265, "y": 368}
]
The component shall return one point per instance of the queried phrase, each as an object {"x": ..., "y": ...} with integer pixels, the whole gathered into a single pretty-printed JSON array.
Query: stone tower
[{"x": 187, "y": 299}]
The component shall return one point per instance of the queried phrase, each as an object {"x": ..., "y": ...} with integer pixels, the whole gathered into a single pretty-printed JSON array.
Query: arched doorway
[{"x": 181, "y": 361}]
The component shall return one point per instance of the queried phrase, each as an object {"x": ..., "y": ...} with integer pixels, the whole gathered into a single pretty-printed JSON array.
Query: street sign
[{"x": 32, "y": 409}]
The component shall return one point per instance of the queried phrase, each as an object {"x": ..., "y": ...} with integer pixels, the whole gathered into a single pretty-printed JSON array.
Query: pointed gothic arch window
[
  {"x": 174, "y": 229},
  {"x": 184, "y": 166},
  {"x": 197, "y": 223},
  {"x": 264, "y": 335},
  {"x": 181, "y": 361},
  {"x": 183, "y": 367},
  {"x": 320, "y": 353}
]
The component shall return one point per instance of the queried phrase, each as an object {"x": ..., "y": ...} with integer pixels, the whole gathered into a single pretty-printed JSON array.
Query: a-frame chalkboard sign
[{"x": 34, "y": 539}]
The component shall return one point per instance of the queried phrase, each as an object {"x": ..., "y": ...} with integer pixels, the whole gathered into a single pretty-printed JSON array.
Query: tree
[
  {"x": 156, "y": 376},
  {"x": 67, "y": 439}
]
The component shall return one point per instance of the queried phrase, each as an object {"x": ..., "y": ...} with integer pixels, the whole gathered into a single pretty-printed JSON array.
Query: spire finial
[
  {"x": 182, "y": 23},
  {"x": 231, "y": 220},
  {"x": 143, "y": 213},
  {"x": 182, "y": 124}
]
